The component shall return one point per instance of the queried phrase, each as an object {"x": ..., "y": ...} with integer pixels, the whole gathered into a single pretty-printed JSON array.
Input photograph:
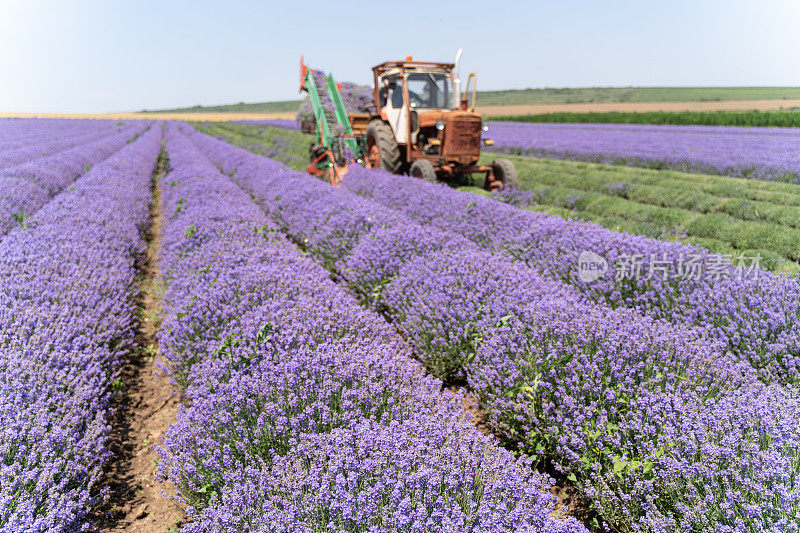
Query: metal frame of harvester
[
  {"x": 402, "y": 135},
  {"x": 328, "y": 157}
]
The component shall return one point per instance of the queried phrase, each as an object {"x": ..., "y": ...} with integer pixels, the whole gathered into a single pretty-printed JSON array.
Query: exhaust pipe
[{"x": 457, "y": 82}]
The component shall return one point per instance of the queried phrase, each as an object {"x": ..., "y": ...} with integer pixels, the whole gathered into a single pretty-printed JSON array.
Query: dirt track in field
[
  {"x": 495, "y": 110},
  {"x": 144, "y": 409}
]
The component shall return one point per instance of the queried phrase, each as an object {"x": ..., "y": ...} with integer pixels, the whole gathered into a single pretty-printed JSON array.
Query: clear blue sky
[{"x": 96, "y": 56}]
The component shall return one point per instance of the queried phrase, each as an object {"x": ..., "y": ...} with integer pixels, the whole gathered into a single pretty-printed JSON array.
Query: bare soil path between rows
[{"x": 144, "y": 407}]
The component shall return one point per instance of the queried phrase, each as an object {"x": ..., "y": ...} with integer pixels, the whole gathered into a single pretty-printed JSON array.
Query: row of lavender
[
  {"x": 26, "y": 187},
  {"x": 16, "y": 133},
  {"x": 654, "y": 422},
  {"x": 49, "y": 137},
  {"x": 66, "y": 319},
  {"x": 755, "y": 313},
  {"x": 304, "y": 412},
  {"x": 277, "y": 122},
  {"x": 762, "y": 153}
]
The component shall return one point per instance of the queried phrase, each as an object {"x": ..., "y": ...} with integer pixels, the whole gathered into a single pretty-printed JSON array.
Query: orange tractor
[{"x": 421, "y": 125}]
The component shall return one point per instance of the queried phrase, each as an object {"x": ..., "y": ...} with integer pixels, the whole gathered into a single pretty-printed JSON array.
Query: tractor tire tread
[
  {"x": 391, "y": 159},
  {"x": 504, "y": 170},
  {"x": 422, "y": 168}
]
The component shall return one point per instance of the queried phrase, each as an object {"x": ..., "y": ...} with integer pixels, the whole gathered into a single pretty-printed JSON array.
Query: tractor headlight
[
  {"x": 485, "y": 127},
  {"x": 439, "y": 125}
]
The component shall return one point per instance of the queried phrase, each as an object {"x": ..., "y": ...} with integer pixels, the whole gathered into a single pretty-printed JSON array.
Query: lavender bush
[
  {"x": 305, "y": 412},
  {"x": 441, "y": 480},
  {"x": 762, "y": 153},
  {"x": 641, "y": 414},
  {"x": 66, "y": 320}
]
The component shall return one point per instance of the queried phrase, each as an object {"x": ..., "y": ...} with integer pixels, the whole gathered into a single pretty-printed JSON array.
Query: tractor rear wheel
[
  {"x": 422, "y": 168},
  {"x": 382, "y": 149},
  {"x": 504, "y": 172}
]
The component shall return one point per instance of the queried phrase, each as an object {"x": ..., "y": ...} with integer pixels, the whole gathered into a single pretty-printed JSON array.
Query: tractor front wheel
[
  {"x": 382, "y": 149},
  {"x": 422, "y": 168},
  {"x": 504, "y": 172}
]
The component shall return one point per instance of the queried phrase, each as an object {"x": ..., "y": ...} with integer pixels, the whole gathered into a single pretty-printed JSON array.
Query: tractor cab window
[
  {"x": 397, "y": 93},
  {"x": 392, "y": 91},
  {"x": 429, "y": 90}
]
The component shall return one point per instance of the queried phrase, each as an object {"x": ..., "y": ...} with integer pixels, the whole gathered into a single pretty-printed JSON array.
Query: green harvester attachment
[{"x": 329, "y": 156}]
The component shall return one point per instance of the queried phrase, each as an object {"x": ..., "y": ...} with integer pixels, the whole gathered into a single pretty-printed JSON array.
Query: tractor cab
[{"x": 406, "y": 93}]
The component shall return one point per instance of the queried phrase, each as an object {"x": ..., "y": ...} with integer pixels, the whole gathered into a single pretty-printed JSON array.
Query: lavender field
[
  {"x": 388, "y": 355},
  {"x": 613, "y": 396},
  {"x": 726, "y": 215},
  {"x": 761, "y": 153}
]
